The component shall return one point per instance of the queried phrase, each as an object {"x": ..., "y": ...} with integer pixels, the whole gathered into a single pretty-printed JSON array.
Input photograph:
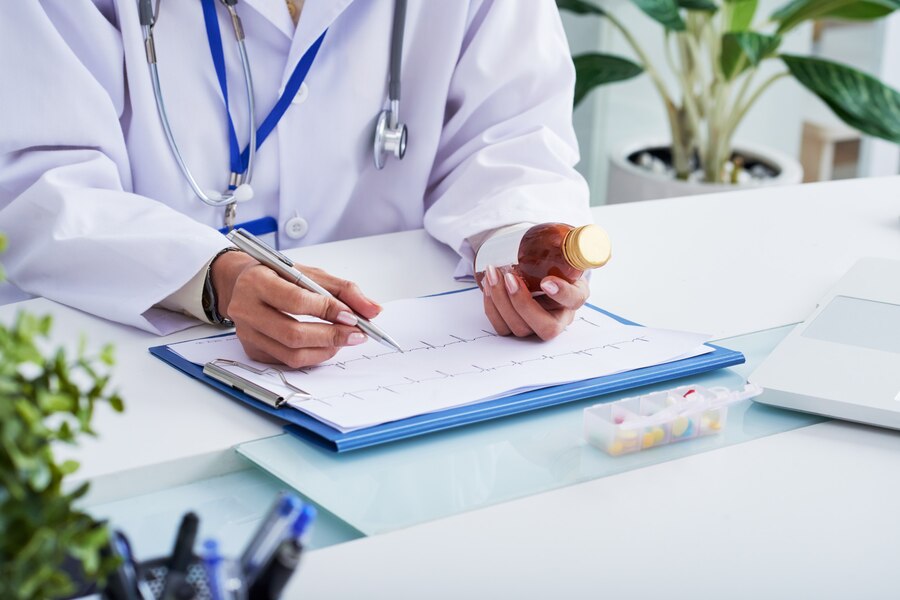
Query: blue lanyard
[{"x": 214, "y": 36}]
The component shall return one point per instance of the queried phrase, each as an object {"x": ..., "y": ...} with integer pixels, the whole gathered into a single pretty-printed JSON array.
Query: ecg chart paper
[{"x": 452, "y": 357}]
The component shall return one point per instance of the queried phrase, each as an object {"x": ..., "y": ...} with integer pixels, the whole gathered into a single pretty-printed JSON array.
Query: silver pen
[{"x": 284, "y": 266}]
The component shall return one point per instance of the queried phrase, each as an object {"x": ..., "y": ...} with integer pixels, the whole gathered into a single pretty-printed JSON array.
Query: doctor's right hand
[{"x": 259, "y": 301}]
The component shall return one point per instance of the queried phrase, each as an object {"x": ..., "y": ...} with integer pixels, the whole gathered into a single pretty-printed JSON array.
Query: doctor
[{"x": 106, "y": 213}]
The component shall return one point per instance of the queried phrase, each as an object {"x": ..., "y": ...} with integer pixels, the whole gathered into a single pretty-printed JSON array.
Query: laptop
[{"x": 844, "y": 360}]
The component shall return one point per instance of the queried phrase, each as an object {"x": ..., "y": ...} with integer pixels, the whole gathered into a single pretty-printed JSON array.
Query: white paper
[{"x": 451, "y": 358}]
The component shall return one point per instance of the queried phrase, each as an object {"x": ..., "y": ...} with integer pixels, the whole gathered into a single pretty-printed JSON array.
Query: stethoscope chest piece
[{"x": 390, "y": 138}]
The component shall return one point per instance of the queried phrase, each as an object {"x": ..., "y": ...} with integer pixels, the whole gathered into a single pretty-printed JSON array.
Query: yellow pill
[
  {"x": 648, "y": 440},
  {"x": 679, "y": 426},
  {"x": 715, "y": 425},
  {"x": 615, "y": 448},
  {"x": 628, "y": 434},
  {"x": 658, "y": 435}
]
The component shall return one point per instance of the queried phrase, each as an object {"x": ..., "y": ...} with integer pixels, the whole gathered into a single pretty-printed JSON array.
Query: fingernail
[
  {"x": 356, "y": 338},
  {"x": 487, "y": 289},
  {"x": 493, "y": 279},
  {"x": 512, "y": 286},
  {"x": 549, "y": 287},
  {"x": 347, "y": 318}
]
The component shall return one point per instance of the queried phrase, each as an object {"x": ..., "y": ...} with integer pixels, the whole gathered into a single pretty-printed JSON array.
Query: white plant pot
[{"x": 629, "y": 182}]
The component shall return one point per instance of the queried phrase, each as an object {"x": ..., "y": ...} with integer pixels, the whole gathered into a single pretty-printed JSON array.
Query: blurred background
[{"x": 787, "y": 119}]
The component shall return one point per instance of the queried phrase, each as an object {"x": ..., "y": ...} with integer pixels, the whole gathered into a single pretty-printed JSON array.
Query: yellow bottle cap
[{"x": 587, "y": 247}]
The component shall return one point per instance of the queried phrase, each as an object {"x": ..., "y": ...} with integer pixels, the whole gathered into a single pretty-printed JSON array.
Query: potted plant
[
  {"x": 715, "y": 48},
  {"x": 48, "y": 548}
]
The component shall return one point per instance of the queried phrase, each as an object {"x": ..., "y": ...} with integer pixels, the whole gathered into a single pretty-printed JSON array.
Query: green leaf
[
  {"x": 80, "y": 491},
  {"x": 663, "y": 11},
  {"x": 50, "y": 402},
  {"x": 862, "y": 11},
  {"x": 68, "y": 467},
  {"x": 115, "y": 401},
  {"x": 64, "y": 434},
  {"x": 858, "y": 99},
  {"x": 44, "y": 325},
  {"x": 108, "y": 355},
  {"x": 579, "y": 7},
  {"x": 798, "y": 11},
  {"x": 752, "y": 47},
  {"x": 701, "y": 5},
  {"x": 593, "y": 69},
  {"x": 740, "y": 14}
]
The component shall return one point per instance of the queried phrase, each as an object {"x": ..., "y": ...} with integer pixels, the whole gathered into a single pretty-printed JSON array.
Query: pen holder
[
  {"x": 263, "y": 570},
  {"x": 642, "y": 422},
  {"x": 152, "y": 577}
]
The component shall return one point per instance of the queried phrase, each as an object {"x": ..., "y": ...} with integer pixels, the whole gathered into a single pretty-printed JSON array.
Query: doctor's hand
[
  {"x": 257, "y": 299},
  {"x": 513, "y": 311}
]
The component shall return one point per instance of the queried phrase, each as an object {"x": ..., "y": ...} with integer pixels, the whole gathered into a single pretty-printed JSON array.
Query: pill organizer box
[{"x": 642, "y": 422}]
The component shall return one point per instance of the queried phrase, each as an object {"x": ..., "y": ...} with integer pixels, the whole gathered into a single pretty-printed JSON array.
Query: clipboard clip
[{"x": 216, "y": 370}]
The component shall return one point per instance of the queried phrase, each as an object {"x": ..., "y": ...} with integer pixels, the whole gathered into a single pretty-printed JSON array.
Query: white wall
[
  {"x": 584, "y": 36},
  {"x": 620, "y": 112}
]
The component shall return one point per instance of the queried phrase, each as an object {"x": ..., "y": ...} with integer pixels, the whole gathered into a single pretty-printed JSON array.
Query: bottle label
[{"x": 502, "y": 248}]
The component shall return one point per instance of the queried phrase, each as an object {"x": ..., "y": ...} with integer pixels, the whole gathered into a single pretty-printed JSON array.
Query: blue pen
[
  {"x": 212, "y": 561},
  {"x": 274, "y": 577},
  {"x": 307, "y": 516},
  {"x": 271, "y": 532},
  {"x": 124, "y": 584}
]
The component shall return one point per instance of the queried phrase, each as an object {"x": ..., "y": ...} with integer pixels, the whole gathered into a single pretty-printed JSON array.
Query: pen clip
[{"x": 261, "y": 246}]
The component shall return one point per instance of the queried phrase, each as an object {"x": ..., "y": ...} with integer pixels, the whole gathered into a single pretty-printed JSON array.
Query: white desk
[{"x": 813, "y": 509}]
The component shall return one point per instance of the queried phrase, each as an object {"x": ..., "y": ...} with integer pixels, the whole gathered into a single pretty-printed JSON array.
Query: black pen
[
  {"x": 274, "y": 577},
  {"x": 275, "y": 525},
  {"x": 182, "y": 554}
]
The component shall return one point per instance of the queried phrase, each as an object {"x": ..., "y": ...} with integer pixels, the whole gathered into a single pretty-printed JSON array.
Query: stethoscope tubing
[
  {"x": 237, "y": 179},
  {"x": 390, "y": 136}
]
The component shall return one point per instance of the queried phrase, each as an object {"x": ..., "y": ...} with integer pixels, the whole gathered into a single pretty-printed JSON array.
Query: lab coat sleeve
[
  {"x": 76, "y": 233},
  {"x": 508, "y": 149}
]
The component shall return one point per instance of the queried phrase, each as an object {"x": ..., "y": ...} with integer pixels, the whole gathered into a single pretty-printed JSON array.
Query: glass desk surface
[
  {"x": 231, "y": 507},
  {"x": 409, "y": 482}
]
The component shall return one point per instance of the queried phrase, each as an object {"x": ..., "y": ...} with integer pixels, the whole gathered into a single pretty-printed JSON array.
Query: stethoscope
[{"x": 390, "y": 133}]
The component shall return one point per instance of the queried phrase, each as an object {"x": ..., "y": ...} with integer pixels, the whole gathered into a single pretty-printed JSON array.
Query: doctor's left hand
[
  {"x": 259, "y": 301},
  {"x": 513, "y": 311}
]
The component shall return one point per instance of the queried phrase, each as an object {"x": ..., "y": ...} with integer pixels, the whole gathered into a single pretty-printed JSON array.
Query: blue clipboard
[{"x": 308, "y": 428}]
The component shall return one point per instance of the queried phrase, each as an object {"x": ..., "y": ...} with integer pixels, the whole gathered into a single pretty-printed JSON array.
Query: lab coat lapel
[
  {"x": 274, "y": 11},
  {"x": 316, "y": 17}
]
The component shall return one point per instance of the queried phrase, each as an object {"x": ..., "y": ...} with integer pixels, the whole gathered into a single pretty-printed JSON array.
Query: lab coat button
[
  {"x": 296, "y": 228},
  {"x": 302, "y": 93}
]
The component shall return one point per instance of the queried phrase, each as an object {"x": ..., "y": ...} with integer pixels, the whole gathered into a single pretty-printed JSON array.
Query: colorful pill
[
  {"x": 649, "y": 440},
  {"x": 680, "y": 426},
  {"x": 615, "y": 448},
  {"x": 658, "y": 435}
]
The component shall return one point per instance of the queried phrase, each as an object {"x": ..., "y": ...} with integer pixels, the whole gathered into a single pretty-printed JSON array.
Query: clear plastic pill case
[{"x": 643, "y": 422}]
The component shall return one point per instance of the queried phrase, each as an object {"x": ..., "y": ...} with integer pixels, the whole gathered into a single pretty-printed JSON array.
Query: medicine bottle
[{"x": 535, "y": 251}]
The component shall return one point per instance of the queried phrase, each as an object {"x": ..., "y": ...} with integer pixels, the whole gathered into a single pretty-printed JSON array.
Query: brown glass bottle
[{"x": 534, "y": 252}]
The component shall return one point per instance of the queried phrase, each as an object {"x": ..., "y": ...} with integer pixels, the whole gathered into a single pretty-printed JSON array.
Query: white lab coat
[{"x": 100, "y": 218}]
